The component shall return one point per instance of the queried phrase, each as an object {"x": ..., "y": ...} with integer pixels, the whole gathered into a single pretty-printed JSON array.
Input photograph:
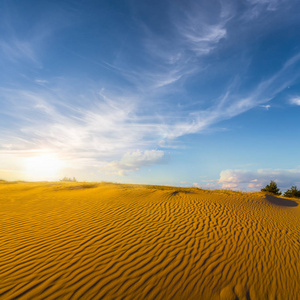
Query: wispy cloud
[
  {"x": 105, "y": 130},
  {"x": 232, "y": 104},
  {"x": 182, "y": 57},
  {"x": 173, "y": 57},
  {"x": 295, "y": 101},
  {"x": 108, "y": 125},
  {"x": 146, "y": 95},
  {"x": 257, "y": 7},
  {"x": 198, "y": 34},
  {"x": 16, "y": 49},
  {"x": 133, "y": 161},
  {"x": 41, "y": 81},
  {"x": 267, "y": 106},
  {"x": 267, "y": 4}
]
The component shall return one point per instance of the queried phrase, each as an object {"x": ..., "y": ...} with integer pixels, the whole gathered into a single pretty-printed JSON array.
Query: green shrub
[
  {"x": 272, "y": 188},
  {"x": 293, "y": 192}
]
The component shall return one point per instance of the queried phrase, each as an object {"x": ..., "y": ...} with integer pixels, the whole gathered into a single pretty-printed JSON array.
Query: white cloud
[
  {"x": 266, "y": 106},
  {"x": 179, "y": 54},
  {"x": 101, "y": 126},
  {"x": 268, "y": 4},
  {"x": 257, "y": 7},
  {"x": 255, "y": 180},
  {"x": 231, "y": 104},
  {"x": 105, "y": 125},
  {"x": 133, "y": 161},
  {"x": 295, "y": 101},
  {"x": 201, "y": 31},
  {"x": 91, "y": 136},
  {"x": 41, "y": 81},
  {"x": 202, "y": 38}
]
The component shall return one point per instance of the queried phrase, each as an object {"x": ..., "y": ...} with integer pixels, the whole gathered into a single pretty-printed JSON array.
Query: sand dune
[{"x": 110, "y": 241}]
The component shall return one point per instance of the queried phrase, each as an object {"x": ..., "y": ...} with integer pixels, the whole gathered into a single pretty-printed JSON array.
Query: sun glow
[{"x": 43, "y": 167}]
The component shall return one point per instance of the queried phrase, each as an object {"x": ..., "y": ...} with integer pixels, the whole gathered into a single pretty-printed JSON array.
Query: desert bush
[
  {"x": 293, "y": 192},
  {"x": 271, "y": 188},
  {"x": 69, "y": 179}
]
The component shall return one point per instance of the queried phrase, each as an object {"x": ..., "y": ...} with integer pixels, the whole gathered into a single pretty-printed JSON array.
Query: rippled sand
[{"x": 110, "y": 241}]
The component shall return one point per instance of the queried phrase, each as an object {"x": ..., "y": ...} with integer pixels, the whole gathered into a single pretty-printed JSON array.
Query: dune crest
[{"x": 114, "y": 241}]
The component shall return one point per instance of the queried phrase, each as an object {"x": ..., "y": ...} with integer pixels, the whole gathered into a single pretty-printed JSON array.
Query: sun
[{"x": 43, "y": 167}]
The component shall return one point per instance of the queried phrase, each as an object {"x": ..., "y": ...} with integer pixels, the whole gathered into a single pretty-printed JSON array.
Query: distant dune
[{"x": 114, "y": 241}]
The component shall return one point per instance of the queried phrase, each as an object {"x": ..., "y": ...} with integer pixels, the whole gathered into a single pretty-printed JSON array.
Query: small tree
[
  {"x": 272, "y": 188},
  {"x": 293, "y": 192}
]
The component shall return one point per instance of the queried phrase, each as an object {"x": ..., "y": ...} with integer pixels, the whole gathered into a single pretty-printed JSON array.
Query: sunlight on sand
[{"x": 113, "y": 241}]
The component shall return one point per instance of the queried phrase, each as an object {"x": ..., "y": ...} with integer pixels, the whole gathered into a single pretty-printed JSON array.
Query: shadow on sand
[{"x": 281, "y": 201}]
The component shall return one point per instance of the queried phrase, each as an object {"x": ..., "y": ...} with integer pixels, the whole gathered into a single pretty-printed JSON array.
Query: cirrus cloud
[{"x": 133, "y": 161}]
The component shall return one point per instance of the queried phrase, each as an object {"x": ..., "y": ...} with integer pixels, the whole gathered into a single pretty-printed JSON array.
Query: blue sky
[{"x": 202, "y": 93}]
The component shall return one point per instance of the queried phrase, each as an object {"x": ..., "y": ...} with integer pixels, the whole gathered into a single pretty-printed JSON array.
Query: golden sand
[{"x": 112, "y": 241}]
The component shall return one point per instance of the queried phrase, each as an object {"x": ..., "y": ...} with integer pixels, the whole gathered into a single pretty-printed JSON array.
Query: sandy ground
[{"x": 110, "y": 241}]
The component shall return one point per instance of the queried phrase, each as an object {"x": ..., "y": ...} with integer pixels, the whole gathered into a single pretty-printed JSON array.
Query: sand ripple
[{"x": 107, "y": 241}]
